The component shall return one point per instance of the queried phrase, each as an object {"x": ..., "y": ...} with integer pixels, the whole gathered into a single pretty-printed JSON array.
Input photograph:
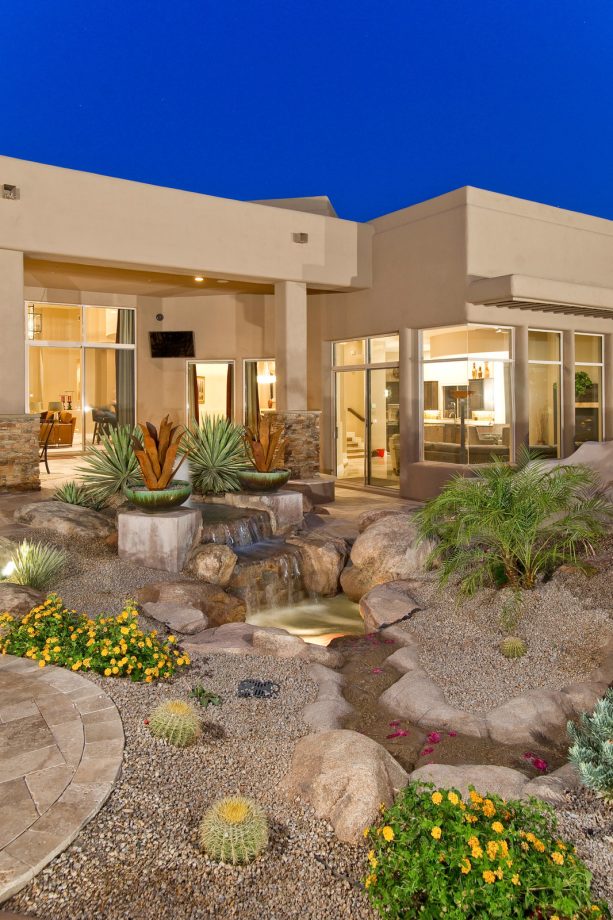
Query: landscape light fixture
[{"x": 198, "y": 278}]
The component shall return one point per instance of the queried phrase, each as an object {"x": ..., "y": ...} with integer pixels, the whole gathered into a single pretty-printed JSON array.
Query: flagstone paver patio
[{"x": 61, "y": 747}]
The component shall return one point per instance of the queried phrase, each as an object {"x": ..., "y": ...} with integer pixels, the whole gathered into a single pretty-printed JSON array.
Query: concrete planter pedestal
[{"x": 158, "y": 541}]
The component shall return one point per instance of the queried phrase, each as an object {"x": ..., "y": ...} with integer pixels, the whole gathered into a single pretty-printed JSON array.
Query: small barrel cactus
[
  {"x": 513, "y": 647},
  {"x": 175, "y": 721},
  {"x": 234, "y": 830}
]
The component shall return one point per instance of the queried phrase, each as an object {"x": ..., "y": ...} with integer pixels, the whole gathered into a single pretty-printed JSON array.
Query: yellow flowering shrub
[
  {"x": 113, "y": 646},
  {"x": 435, "y": 855}
]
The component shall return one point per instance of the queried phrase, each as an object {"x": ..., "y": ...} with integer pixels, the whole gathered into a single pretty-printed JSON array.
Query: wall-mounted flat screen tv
[{"x": 171, "y": 344}]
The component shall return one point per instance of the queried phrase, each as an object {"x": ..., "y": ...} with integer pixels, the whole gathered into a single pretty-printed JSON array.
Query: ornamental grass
[
  {"x": 435, "y": 855},
  {"x": 112, "y": 646}
]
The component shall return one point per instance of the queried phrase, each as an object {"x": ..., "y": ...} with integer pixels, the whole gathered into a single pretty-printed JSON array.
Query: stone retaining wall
[
  {"x": 19, "y": 467},
  {"x": 302, "y": 439}
]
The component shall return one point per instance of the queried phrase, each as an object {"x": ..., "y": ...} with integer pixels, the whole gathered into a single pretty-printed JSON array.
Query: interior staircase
[{"x": 354, "y": 446}]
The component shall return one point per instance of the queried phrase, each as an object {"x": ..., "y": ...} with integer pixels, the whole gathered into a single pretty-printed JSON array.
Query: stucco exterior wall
[{"x": 65, "y": 214}]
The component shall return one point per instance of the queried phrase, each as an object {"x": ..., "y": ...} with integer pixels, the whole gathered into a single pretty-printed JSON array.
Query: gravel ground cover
[
  {"x": 460, "y": 642},
  {"x": 139, "y": 857},
  {"x": 588, "y": 823}
]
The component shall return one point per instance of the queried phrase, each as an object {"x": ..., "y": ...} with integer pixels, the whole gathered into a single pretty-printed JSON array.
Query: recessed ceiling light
[
  {"x": 198, "y": 278},
  {"x": 222, "y": 281}
]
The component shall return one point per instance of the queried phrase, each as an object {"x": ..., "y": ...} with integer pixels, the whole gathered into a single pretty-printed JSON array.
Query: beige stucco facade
[{"x": 283, "y": 283}]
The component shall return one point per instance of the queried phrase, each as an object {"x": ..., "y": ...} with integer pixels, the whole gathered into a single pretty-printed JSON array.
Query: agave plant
[
  {"x": 266, "y": 446},
  {"x": 108, "y": 468},
  {"x": 507, "y": 526},
  {"x": 34, "y": 564},
  {"x": 76, "y": 493},
  {"x": 157, "y": 453},
  {"x": 216, "y": 451}
]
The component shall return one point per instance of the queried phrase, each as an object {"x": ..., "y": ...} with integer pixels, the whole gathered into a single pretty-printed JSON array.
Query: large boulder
[
  {"x": 355, "y": 582},
  {"x": 387, "y": 604},
  {"x": 67, "y": 520},
  {"x": 218, "y": 606},
  {"x": 267, "y": 642},
  {"x": 323, "y": 558},
  {"x": 539, "y": 715},
  {"x": 212, "y": 562},
  {"x": 345, "y": 776},
  {"x": 388, "y": 550},
  {"x": 368, "y": 518},
  {"x": 487, "y": 779},
  {"x": 18, "y": 599},
  {"x": 186, "y": 620}
]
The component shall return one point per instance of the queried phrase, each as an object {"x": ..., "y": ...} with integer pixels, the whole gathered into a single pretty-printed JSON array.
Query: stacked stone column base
[
  {"x": 302, "y": 441},
  {"x": 19, "y": 466}
]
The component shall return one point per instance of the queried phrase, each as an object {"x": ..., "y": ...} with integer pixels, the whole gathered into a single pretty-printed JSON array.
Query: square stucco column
[
  {"x": 410, "y": 421},
  {"x": 291, "y": 345},
  {"x": 13, "y": 364},
  {"x": 521, "y": 386},
  {"x": 608, "y": 386}
]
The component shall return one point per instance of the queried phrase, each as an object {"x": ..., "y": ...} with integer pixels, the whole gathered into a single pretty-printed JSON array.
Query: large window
[
  {"x": 588, "y": 388},
  {"x": 544, "y": 375},
  {"x": 367, "y": 395},
  {"x": 81, "y": 369},
  {"x": 467, "y": 402},
  {"x": 210, "y": 389}
]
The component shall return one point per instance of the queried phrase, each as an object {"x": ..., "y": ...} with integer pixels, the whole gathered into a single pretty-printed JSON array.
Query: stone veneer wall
[
  {"x": 302, "y": 441},
  {"x": 19, "y": 467}
]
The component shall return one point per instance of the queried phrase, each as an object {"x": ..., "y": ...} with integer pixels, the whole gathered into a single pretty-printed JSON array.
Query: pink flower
[
  {"x": 390, "y": 641},
  {"x": 377, "y": 671},
  {"x": 539, "y": 764},
  {"x": 146, "y": 721},
  {"x": 452, "y": 734},
  {"x": 426, "y": 751},
  {"x": 434, "y": 737},
  {"x": 394, "y": 723},
  {"x": 528, "y": 755},
  {"x": 400, "y": 733}
]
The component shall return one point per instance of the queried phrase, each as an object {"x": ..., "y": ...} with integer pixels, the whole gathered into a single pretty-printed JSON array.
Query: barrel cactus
[
  {"x": 176, "y": 721},
  {"x": 513, "y": 647},
  {"x": 234, "y": 830}
]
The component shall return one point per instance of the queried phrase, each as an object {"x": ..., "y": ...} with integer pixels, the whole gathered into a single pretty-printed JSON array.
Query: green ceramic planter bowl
[
  {"x": 161, "y": 499},
  {"x": 254, "y": 481}
]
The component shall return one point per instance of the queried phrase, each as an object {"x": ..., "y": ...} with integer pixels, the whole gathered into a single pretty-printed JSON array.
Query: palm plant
[
  {"x": 507, "y": 526},
  {"x": 108, "y": 468},
  {"x": 34, "y": 564},
  {"x": 216, "y": 451}
]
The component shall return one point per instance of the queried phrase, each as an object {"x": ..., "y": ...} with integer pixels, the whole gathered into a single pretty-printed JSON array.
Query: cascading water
[
  {"x": 233, "y": 526},
  {"x": 267, "y": 574}
]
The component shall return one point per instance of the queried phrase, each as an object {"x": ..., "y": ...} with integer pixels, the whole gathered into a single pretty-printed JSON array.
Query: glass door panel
[
  {"x": 109, "y": 391},
  {"x": 55, "y": 389},
  {"x": 384, "y": 427},
  {"x": 351, "y": 425},
  {"x": 544, "y": 419},
  {"x": 210, "y": 388}
]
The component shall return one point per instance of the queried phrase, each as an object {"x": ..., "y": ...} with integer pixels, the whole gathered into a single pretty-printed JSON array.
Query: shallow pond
[{"x": 318, "y": 620}]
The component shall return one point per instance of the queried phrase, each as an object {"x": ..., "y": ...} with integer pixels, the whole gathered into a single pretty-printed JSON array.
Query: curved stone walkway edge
[{"x": 62, "y": 743}]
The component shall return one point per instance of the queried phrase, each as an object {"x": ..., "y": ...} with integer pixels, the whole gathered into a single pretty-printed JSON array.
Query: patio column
[
  {"x": 291, "y": 345},
  {"x": 608, "y": 386},
  {"x": 568, "y": 394},
  {"x": 18, "y": 431},
  {"x": 13, "y": 365},
  {"x": 302, "y": 426},
  {"x": 522, "y": 394}
]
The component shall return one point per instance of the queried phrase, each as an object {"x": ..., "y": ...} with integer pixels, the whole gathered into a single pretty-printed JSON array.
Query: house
[{"x": 397, "y": 352}]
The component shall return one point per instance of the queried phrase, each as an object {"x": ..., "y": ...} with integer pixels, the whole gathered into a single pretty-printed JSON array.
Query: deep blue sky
[{"x": 376, "y": 103}]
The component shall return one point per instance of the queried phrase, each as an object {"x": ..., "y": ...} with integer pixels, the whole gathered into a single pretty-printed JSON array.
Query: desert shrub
[
  {"x": 434, "y": 855},
  {"x": 592, "y": 747},
  {"x": 34, "y": 564},
  {"x": 112, "y": 465},
  {"x": 216, "y": 450},
  {"x": 113, "y": 646},
  {"x": 76, "y": 493},
  {"x": 510, "y": 525}
]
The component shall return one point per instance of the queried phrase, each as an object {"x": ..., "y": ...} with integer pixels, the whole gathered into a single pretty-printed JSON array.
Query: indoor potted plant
[
  {"x": 156, "y": 457},
  {"x": 266, "y": 451}
]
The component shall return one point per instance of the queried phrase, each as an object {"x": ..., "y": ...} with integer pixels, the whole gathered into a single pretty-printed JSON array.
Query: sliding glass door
[
  {"x": 210, "y": 389},
  {"x": 81, "y": 370},
  {"x": 367, "y": 414}
]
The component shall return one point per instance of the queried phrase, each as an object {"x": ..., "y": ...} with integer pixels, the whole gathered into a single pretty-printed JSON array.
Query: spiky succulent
[
  {"x": 216, "y": 451},
  {"x": 176, "y": 722},
  {"x": 234, "y": 830},
  {"x": 513, "y": 647},
  {"x": 108, "y": 468},
  {"x": 34, "y": 564},
  {"x": 77, "y": 493},
  {"x": 592, "y": 747}
]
